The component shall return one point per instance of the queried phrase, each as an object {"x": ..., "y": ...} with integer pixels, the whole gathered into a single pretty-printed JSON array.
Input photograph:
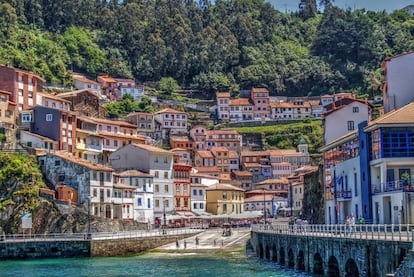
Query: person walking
[
  {"x": 185, "y": 244},
  {"x": 196, "y": 241},
  {"x": 177, "y": 244}
]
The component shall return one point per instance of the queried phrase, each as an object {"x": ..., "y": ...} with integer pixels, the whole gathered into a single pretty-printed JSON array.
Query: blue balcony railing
[{"x": 393, "y": 186}]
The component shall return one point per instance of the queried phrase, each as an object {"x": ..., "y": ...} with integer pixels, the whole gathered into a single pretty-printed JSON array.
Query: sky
[{"x": 372, "y": 5}]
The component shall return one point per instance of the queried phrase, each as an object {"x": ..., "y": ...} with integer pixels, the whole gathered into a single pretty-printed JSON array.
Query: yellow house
[{"x": 224, "y": 199}]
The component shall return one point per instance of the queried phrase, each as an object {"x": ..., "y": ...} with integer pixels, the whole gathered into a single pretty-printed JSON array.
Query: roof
[
  {"x": 233, "y": 155},
  {"x": 348, "y": 136},
  {"x": 52, "y": 96},
  {"x": 274, "y": 181},
  {"x": 252, "y": 165},
  {"x": 223, "y": 94},
  {"x": 198, "y": 185},
  {"x": 38, "y": 136},
  {"x": 341, "y": 103},
  {"x": 240, "y": 102},
  {"x": 91, "y": 165},
  {"x": 123, "y": 186},
  {"x": 207, "y": 169},
  {"x": 178, "y": 149},
  {"x": 204, "y": 154},
  {"x": 75, "y": 93},
  {"x": 85, "y": 80},
  {"x": 221, "y": 132},
  {"x": 107, "y": 79},
  {"x": 23, "y": 71},
  {"x": 260, "y": 90},
  {"x": 259, "y": 198},
  {"x": 242, "y": 173},
  {"x": 152, "y": 148},
  {"x": 221, "y": 186},
  {"x": 138, "y": 113},
  {"x": 179, "y": 138},
  {"x": 402, "y": 116},
  {"x": 120, "y": 135},
  {"x": 225, "y": 176},
  {"x": 254, "y": 153},
  {"x": 202, "y": 175},
  {"x": 169, "y": 110},
  {"x": 132, "y": 173},
  {"x": 219, "y": 149},
  {"x": 91, "y": 133}
]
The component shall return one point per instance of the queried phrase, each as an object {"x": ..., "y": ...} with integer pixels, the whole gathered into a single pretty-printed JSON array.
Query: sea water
[{"x": 152, "y": 264}]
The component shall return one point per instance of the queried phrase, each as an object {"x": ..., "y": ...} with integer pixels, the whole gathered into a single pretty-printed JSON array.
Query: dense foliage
[
  {"x": 285, "y": 136},
  {"x": 227, "y": 45}
]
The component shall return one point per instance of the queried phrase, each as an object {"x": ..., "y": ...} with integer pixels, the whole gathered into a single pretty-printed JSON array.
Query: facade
[
  {"x": 242, "y": 179},
  {"x": 261, "y": 102},
  {"x": 224, "y": 199},
  {"x": 135, "y": 91},
  {"x": 222, "y": 138},
  {"x": 81, "y": 83},
  {"x": 8, "y": 112},
  {"x": 181, "y": 142},
  {"x": 22, "y": 85},
  {"x": 58, "y": 125},
  {"x": 170, "y": 122},
  {"x": 144, "y": 122},
  {"x": 52, "y": 101},
  {"x": 397, "y": 86},
  {"x": 204, "y": 158},
  {"x": 92, "y": 182},
  {"x": 343, "y": 116},
  {"x": 197, "y": 134},
  {"x": 152, "y": 160},
  {"x": 182, "y": 156},
  {"x": 32, "y": 140},
  {"x": 141, "y": 185},
  {"x": 241, "y": 109},
  {"x": 182, "y": 187},
  {"x": 221, "y": 157},
  {"x": 223, "y": 102},
  {"x": 198, "y": 198},
  {"x": 85, "y": 102}
]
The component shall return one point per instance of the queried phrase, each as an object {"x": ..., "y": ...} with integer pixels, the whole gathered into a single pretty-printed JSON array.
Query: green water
[{"x": 153, "y": 264}]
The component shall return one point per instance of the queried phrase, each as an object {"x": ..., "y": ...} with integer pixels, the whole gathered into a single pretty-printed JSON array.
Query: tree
[{"x": 168, "y": 85}]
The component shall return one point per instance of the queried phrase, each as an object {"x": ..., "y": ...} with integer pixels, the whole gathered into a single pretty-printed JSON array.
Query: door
[{"x": 390, "y": 179}]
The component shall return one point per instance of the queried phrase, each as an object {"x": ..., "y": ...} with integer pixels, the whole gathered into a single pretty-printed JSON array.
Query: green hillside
[{"x": 228, "y": 45}]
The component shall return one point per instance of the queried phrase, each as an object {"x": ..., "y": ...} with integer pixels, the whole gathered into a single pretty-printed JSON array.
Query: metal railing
[
  {"x": 384, "y": 232},
  {"x": 97, "y": 236}
]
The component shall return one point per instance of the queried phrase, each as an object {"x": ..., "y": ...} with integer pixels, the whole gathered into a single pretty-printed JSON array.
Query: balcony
[
  {"x": 344, "y": 195},
  {"x": 393, "y": 186}
]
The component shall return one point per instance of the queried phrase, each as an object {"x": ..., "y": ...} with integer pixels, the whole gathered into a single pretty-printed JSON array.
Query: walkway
[{"x": 210, "y": 239}]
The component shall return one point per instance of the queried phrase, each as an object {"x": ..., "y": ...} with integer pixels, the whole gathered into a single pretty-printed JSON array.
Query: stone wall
[
  {"x": 334, "y": 256},
  {"x": 407, "y": 266},
  {"x": 44, "y": 249},
  {"x": 129, "y": 246},
  {"x": 83, "y": 248}
]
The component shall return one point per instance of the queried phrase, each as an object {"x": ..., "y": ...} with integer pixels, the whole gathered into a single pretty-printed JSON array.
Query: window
[
  {"x": 49, "y": 117},
  {"x": 139, "y": 202},
  {"x": 157, "y": 188},
  {"x": 156, "y": 174},
  {"x": 57, "y": 163},
  {"x": 157, "y": 203},
  {"x": 355, "y": 184},
  {"x": 108, "y": 193},
  {"x": 166, "y": 175},
  {"x": 194, "y": 205},
  {"x": 95, "y": 192},
  {"x": 355, "y": 109},
  {"x": 201, "y": 206},
  {"x": 149, "y": 203},
  {"x": 200, "y": 192},
  {"x": 165, "y": 160},
  {"x": 194, "y": 192},
  {"x": 165, "y": 188},
  {"x": 351, "y": 125}
]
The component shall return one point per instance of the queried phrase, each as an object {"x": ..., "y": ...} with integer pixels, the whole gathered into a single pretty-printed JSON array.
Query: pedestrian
[
  {"x": 215, "y": 242},
  {"x": 361, "y": 219},
  {"x": 347, "y": 221},
  {"x": 352, "y": 222},
  {"x": 196, "y": 240},
  {"x": 177, "y": 244},
  {"x": 185, "y": 244},
  {"x": 222, "y": 243}
]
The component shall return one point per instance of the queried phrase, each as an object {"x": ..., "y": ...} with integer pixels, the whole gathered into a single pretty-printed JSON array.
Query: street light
[
  {"x": 164, "y": 218},
  {"x": 89, "y": 235},
  {"x": 335, "y": 195},
  {"x": 264, "y": 206}
]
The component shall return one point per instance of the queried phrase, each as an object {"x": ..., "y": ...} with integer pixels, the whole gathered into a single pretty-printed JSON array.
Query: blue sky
[{"x": 372, "y": 5}]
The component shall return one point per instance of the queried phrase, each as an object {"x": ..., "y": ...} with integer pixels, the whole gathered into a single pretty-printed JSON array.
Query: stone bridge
[{"x": 325, "y": 250}]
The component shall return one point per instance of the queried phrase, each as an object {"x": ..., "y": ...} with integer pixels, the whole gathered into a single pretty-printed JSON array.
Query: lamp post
[
  {"x": 89, "y": 235},
  {"x": 164, "y": 218},
  {"x": 291, "y": 200},
  {"x": 335, "y": 195},
  {"x": 264, "y": 206}
]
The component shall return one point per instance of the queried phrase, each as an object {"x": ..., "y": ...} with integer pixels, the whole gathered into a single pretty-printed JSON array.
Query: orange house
[{"x": 65, "y": 193}]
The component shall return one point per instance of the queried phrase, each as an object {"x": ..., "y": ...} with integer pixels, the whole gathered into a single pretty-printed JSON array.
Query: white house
[
  {"x": 198, "y": 198},
  {"x": 152, "y": 160},
  {"x": 398, "y": 81},
  {"x": 343, "y": 116},
  {"x": 142, "y": 186}
]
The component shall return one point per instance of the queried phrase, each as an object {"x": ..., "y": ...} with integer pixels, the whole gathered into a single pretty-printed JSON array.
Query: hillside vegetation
[
  {"x": 285, "y": 136},
  {"x": 228, "y": 45}
]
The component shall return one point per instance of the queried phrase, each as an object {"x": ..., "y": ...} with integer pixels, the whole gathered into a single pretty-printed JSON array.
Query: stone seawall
[
  {"x": 130, "y": 246},
  {"x": 83, "y": 248},
  {"x": 44, "y": 249}
]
